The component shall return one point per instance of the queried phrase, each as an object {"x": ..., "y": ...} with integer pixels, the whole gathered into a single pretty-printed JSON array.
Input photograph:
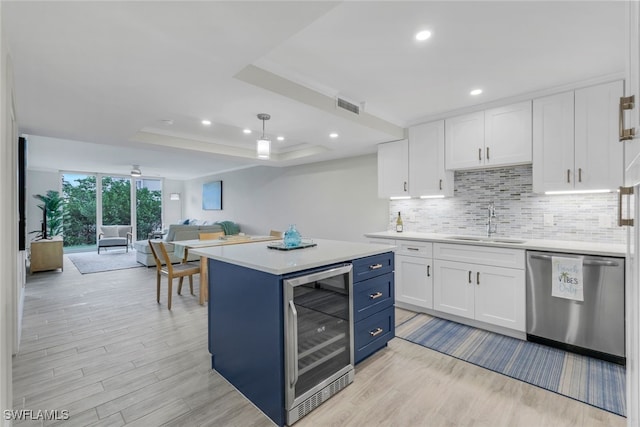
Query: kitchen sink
[{"x": 487, "y": 239}]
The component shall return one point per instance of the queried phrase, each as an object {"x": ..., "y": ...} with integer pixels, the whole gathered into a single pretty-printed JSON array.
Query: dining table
[{"x": 181, "y": 250}]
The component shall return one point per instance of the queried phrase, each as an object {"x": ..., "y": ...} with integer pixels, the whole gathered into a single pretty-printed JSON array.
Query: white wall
[
  {"x": 172, "y": 209},
  {"x": 8, "y": 227},
  {"x": 333, "y": 200}
]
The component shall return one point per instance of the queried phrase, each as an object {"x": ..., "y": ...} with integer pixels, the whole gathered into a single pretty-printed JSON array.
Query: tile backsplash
[{"x": 520, "y": 213}]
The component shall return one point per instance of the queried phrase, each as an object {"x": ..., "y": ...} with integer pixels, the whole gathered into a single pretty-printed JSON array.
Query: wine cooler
[{"x": 318, "y": 338}]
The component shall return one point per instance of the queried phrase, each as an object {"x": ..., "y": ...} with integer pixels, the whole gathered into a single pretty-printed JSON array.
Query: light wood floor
[{"x": 99, "y": 346}]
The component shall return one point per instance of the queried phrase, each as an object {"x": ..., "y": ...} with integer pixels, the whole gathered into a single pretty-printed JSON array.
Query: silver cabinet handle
[
  {"x": 293, "y": 349},
  {"x": 376, "y": 295},
  {"x": 413, "y": 249},
  {"x": 375, "y": 266},
  {"x": 479, "y": 153},
  {"x": 487, "y": 153},
  {"x": 376, "y": 332},
  {"x": 579, "y": 174},
  {"x": 568, "y": 176},
  {"x": 626, "y": 103},
  {"x": 624, "y": 222},
  {"x": 478, "y": 278},
  {"x": 405, "y": 186},
  {"x": 440, "y": 184},
  {"x": 428, "y": 271},
  {"x": 469, "y": 276}
]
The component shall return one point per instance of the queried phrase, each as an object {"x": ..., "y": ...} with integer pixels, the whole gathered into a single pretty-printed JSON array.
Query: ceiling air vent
[{"x": 346, "y": 105}]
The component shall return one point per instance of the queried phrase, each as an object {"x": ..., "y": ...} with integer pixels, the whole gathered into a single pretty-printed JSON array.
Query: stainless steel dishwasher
[{"x": 593, "y": 326}]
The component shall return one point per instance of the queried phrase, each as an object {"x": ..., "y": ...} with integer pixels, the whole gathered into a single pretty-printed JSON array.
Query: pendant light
[
  {"x": 135, "y": 172},
  {"x": 264, "y": 144}
]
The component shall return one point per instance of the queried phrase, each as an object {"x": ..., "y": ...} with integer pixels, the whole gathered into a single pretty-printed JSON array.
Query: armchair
[{"x": 115, "y": 236}]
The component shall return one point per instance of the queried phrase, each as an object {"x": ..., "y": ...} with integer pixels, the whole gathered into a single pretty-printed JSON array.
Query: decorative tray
[{"x": 281, "y": 247}]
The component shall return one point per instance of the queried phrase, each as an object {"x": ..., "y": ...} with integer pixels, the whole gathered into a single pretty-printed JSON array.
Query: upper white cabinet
[
  {"x": 464, "y": 142},
  {"x": 495, "y": 137},
  {"x": 575, "y": 140},
  {"x": 393, "y": 169},
  {"x": 427, "y": 174}
]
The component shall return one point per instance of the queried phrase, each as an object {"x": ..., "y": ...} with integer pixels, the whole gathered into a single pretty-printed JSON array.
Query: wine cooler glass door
[{"x": 318, "y": 331}]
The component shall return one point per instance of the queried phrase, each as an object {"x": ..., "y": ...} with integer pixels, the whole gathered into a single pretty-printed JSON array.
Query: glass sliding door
[
  {"x": 148, "y": 206},
  {"x": 116, "y": 201},
  {"x": 79, "y": 193}
]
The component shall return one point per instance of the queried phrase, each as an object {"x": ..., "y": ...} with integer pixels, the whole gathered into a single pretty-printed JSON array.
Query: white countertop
[
  {"x": 587, "y": 248},
  {"x": 258, "y": 257}
]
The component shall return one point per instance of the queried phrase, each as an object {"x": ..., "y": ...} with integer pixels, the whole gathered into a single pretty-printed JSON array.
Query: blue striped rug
[{"x": 592, "y": 381}]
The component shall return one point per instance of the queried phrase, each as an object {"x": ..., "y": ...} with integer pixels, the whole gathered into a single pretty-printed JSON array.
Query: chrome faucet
[{"x": 492, "y": 227}]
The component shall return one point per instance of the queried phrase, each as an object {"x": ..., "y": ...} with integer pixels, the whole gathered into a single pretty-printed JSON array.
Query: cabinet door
[
  {"x": 427, "y": 174},
  {"x": 553, "y": 151},
  {"x": 632, "y": 87},
  {"x": 464, "y": 141},
  {"x": 500, "y": 296},
  {"x": 393, "y": 169},
  {"x": 414, "y": 281},
  {"x": 507, "y": 137},
  {"x": 598, "y": 152},
  {"x": 453, "y": 288}
]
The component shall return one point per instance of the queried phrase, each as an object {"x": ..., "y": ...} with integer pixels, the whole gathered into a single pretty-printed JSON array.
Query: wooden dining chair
[
  {"x": 211, "y": 236},
  {"x": 275, "y": 233},
  {"x": 179, "y": 270}
]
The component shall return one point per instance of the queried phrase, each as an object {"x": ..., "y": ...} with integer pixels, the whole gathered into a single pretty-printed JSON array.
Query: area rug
[
  {"x": 592, "y": 381},
  {"x": 115, "y": 259}
]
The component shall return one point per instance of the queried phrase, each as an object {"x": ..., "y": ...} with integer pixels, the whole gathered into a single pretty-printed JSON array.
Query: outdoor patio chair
[{"x": 178, "y": 270}]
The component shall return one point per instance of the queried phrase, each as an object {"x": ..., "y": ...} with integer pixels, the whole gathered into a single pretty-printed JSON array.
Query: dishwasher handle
[{"x": 589, "y": 262}]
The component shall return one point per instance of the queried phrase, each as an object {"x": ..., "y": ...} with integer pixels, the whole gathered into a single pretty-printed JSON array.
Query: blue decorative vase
[{"x": 292, "y": 237}]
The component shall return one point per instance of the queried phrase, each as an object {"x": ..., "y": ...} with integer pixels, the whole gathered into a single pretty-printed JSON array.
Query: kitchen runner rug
[
  {"x": 592, "y": 381},
  {"x": 112, "y": 259}
]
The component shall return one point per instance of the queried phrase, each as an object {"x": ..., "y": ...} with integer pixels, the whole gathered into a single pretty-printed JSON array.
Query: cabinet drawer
[
  {"x": 373, "y": 333},
  {"x": 485, "y": 255},
  {"x": 413, "y": 248},
  {"x": 373, "y": 295},
  {"x": 372, "y": 266}
]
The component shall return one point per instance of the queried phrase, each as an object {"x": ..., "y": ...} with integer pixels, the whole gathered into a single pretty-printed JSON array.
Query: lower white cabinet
[
  {"x": 414, "y": 273},
  {"x": 492, "y": 294},
  {"x": 414, "y": 281}
]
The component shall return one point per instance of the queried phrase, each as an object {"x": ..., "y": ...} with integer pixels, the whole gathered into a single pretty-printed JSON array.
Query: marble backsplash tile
[{"x": 520, "y": 213}]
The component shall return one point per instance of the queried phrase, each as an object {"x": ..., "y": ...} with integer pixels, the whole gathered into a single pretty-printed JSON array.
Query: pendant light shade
[
  {"x": 263, "y": 146},
  {"x": 135, "y": 172}
]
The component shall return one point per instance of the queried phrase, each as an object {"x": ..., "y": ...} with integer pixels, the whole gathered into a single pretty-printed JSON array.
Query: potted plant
[{"x": 52, "y": 215}]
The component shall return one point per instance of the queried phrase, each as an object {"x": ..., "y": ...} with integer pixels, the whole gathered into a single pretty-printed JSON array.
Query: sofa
[{"x": 176, "y": 232}]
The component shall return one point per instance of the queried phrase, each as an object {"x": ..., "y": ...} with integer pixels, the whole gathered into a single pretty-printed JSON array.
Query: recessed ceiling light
[
  {"x": 475, "y": 92},
  {"x": 206, "y": 122},
  {"x": 423, "y": 35},
  {"x": 247, "y": 131},
  {"x": 333, "y": 135},
  {"x": 280, "y": 138}
]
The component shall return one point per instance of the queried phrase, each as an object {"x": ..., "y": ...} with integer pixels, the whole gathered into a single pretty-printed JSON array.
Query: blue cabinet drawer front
[
  {"x": 373, "y": 333},
  {"x": 372, "y": 266},
  {"x": 373, "y": 295}
]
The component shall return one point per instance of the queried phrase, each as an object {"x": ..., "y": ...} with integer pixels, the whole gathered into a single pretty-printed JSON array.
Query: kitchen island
[{"x": 260, "y": 303}]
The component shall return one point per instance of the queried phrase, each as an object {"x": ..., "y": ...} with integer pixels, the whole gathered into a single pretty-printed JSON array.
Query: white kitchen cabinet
[
  {"x": 575, "y": 143},
  {"x": 486, "y": 284},
  {"x": 393, "y": 169},
  {"x": 453, "y": 290},
  {"x": 507, "y": 135},
  {"x": 414, "y": 273},
  {"x": 427, "y": 173},
  {"x": 495, "y": 137},
  {"x": 464, "y": 141}
]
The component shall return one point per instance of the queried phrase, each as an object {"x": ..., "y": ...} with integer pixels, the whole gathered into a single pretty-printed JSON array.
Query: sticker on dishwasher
[{"x": 566, "y": 278}]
